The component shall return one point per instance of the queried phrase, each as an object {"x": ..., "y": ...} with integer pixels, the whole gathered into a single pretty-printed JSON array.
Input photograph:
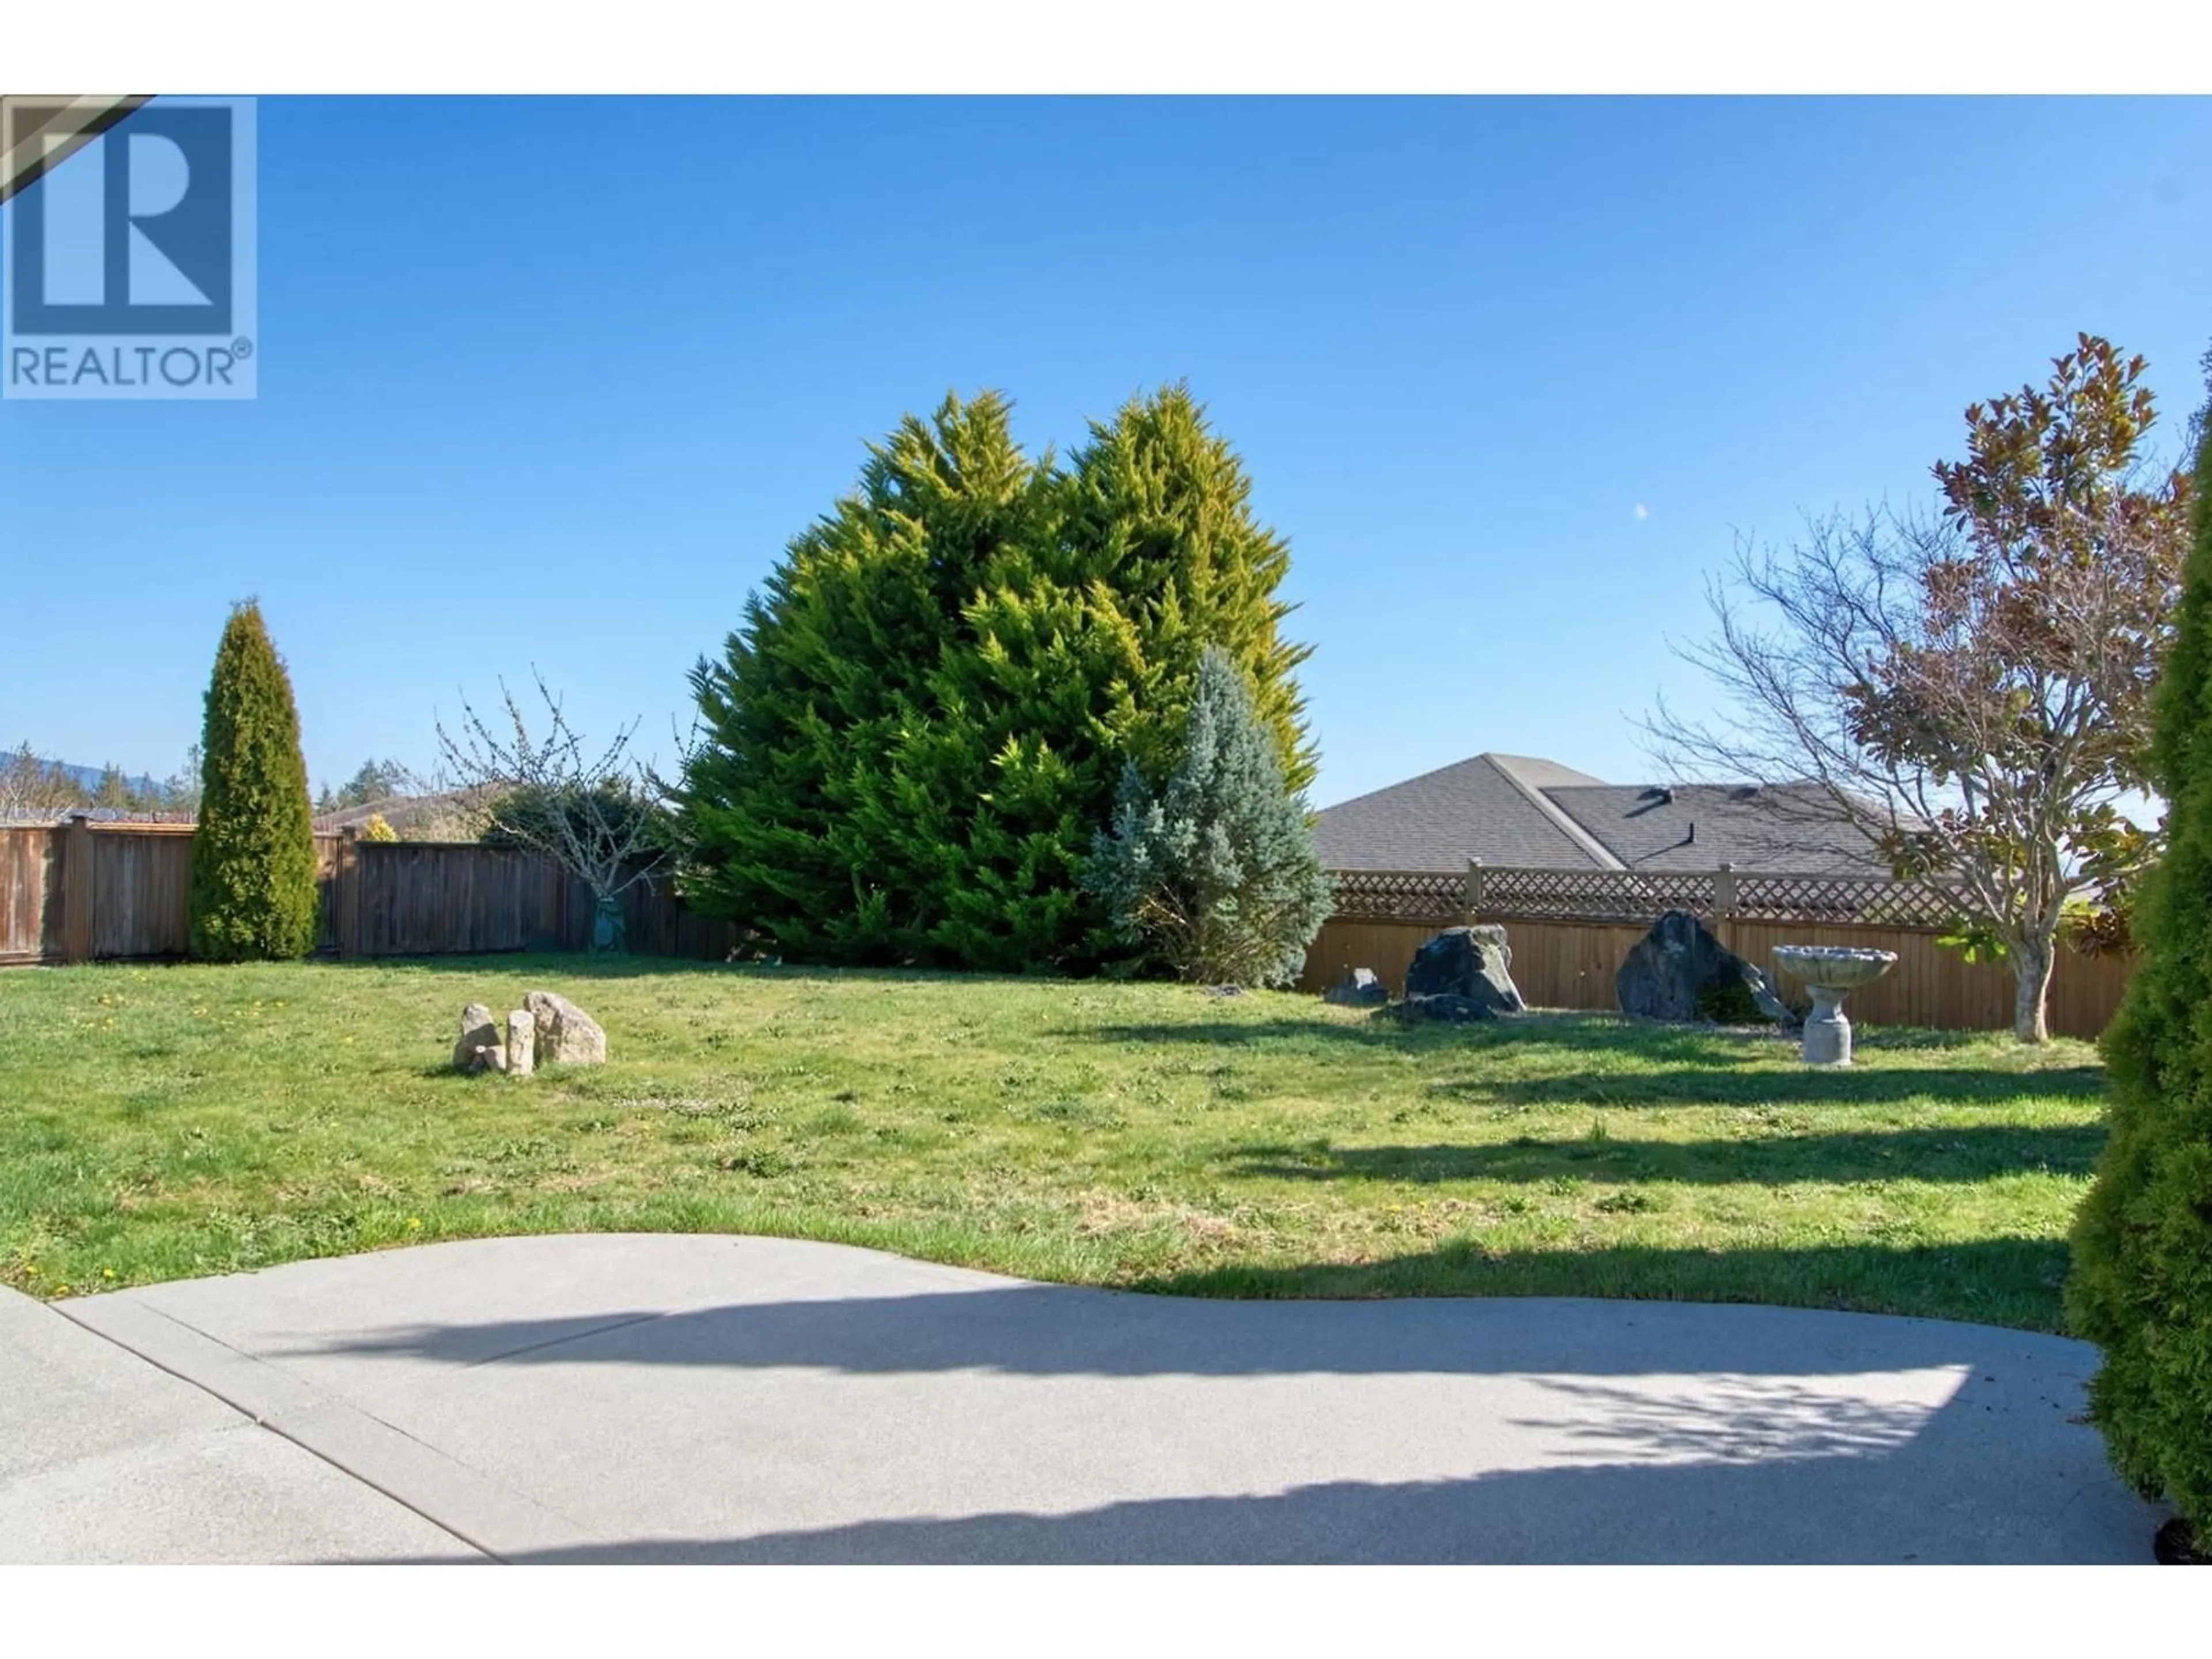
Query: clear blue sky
[{"x": 553, "y": 382}]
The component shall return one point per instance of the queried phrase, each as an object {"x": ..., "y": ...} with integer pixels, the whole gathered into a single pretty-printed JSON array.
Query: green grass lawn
[{"x": 159, "y": 1123}]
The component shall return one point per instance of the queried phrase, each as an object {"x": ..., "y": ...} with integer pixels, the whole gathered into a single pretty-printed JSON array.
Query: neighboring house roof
[
  {"x": 1516, "y": 811},
  {"x": 1704, "y": 826},
  {"x": 448, "y": 817},
  {"x": 1491, "y": 807}
]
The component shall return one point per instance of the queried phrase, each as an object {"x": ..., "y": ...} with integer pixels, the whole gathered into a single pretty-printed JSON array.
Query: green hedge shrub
[
  {"x": 908, "y": 746},
  {"x": 2142, "y": 1284}
]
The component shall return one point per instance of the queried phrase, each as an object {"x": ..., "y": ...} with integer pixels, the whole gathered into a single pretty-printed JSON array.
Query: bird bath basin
[{"x": 1829, "y": 971}]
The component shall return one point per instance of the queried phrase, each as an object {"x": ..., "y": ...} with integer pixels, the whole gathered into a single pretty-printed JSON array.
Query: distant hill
[
  {"x": 50, "y": 790},
  {"x": 90, "y": 776}
]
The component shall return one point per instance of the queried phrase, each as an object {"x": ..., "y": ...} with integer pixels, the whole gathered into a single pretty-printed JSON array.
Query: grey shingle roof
[
  {"x": 1704, "y": 826},
  {"x": 1516, "y": 811},
  {"x": 1441, "y": 819}
]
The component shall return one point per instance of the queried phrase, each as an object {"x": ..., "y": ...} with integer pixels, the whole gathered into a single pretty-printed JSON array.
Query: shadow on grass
[
  {"x": 581, "y": 965},
  {"x": 1979, "y": 1152},
  {"x": 1568, "y": 1033},
  {"x": 2012, "y": 1281},
  {"x": 1796, "y": 1085}
]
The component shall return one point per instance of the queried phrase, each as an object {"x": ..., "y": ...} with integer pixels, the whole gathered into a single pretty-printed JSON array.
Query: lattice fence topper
[
  {"x": 1844, "y": 898},
  {"x": 1638, "y": 896},
  {"x": 1596, "y": 895},
  {"x": 1398, "y": 895}
]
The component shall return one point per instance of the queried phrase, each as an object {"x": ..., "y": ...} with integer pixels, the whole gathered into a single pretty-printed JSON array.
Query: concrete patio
[{"x": 647, "y": 1398}]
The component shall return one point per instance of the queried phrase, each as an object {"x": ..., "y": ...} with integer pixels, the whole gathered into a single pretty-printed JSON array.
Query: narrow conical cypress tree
[
  {"x": 2142, "y": 1284},
  {"x": 253, "y": 892}
]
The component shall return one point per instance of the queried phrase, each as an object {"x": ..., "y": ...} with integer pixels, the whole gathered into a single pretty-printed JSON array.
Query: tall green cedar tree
[
  {"x": 908, "y": 746},
  {"x": 253, "y": 893},
  {"x": 2142, "y": 1284},
  {"x": 1218, "y": 871}
]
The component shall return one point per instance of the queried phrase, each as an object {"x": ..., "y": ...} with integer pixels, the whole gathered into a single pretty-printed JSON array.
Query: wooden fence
[
  {"x": 86, "y": 891},
  {"x": 1569, "y": 929}
]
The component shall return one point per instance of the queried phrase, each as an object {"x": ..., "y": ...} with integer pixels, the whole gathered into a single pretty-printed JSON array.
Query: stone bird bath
[{"x": 1830, "y": 971}]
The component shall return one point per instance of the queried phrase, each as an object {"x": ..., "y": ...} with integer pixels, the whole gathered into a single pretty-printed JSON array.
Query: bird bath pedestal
[{"x": 1829, "y": 972}]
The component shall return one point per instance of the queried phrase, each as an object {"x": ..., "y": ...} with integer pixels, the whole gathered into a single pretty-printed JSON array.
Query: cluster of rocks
[
  {"x": 548, "y": 1029},
  {"x": 1679, "y": 971},
  {"x": 1462, "y": 973}
]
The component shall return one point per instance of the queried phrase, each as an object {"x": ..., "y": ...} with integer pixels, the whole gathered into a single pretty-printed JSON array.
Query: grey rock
[
  {"x": 521, "y": 1043},
  {"x": 1474, "y": 963},
  {"x": 1360, "y": 988},
  {"x": 1679, "y": 971},
  {"x": 479, "y": 1039},
  {"x": 567, "y": 1035}
]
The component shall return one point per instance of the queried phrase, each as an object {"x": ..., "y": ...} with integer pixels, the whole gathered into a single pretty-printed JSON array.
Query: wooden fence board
[
  {"x": 30, "y": 893},
  {"x": 141, "y": 894}
]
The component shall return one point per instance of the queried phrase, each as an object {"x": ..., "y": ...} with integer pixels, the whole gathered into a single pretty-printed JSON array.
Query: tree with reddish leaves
[{"x": 1973, "y": 687}]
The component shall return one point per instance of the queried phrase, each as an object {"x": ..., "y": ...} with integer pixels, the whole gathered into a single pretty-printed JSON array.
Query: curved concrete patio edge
[{"x": 706, "y": 1397}]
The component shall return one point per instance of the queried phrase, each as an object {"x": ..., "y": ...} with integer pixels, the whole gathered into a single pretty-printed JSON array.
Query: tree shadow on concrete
[
  {"x": 1674, "y": 1433},
  {"x": 1743, "y": 1472},
  {"x": 1457, "y": 1307},
  {"x": 1830, "y": 1510}
]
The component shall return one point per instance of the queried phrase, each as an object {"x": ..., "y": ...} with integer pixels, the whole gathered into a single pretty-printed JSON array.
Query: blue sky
[{"x": 553, "y": 382}]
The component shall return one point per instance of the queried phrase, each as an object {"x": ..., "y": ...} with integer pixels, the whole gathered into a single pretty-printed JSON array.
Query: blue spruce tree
[{"x": 1216, "y": 873}]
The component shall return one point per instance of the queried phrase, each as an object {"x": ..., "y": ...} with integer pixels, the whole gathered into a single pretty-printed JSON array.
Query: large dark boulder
[
  {"x": 1679, "y": 971},
  {"x": 1470, "y": 963}
]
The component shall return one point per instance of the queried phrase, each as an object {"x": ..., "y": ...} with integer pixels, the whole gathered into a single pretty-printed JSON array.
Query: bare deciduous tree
[
  {"x": 599, "y": 817},
  {"x": 1972, "y": 689},
  {"x": 35, "y": 790}
]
